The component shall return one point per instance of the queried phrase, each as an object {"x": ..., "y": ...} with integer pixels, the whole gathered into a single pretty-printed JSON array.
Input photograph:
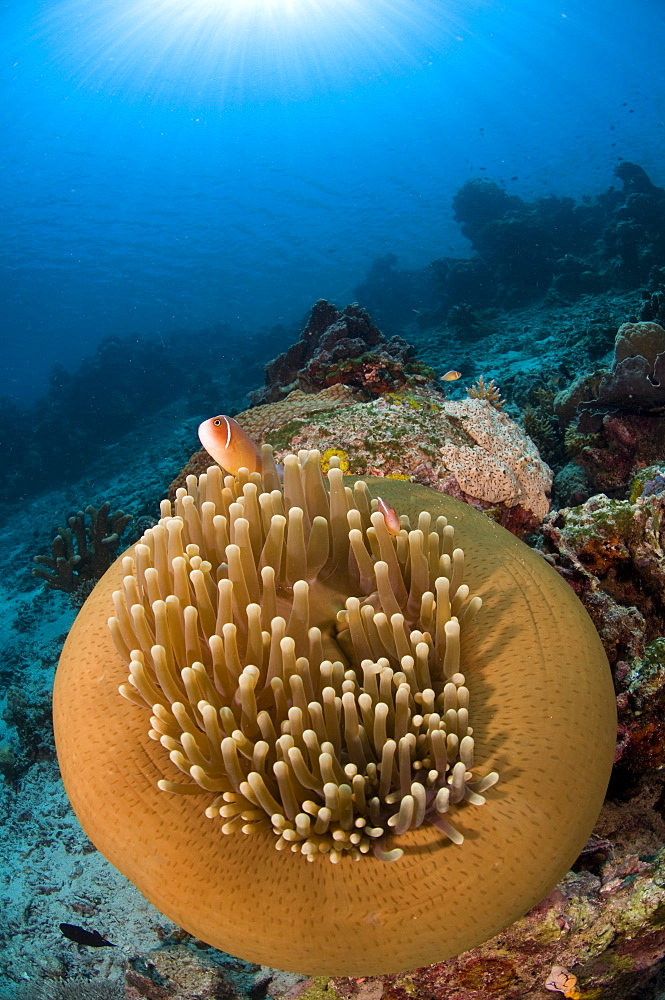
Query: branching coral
[
  {"x": 486, "y": 390},
  {"x": 83, "y": 550}
]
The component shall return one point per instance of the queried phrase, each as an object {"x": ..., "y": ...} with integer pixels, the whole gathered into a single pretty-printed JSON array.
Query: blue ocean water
[{"x": 175, "y": 165}]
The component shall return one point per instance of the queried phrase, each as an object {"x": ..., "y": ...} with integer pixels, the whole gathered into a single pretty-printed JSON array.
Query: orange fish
[
  {"x": 228, "y": 444},
  {"x": 451, "y": 376}
]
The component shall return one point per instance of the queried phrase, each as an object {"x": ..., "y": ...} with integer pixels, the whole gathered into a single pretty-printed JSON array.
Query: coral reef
[
  {"x": 543, "y": 319},
  {"x": 341, "y": 347},
  {"x": 551, "y": 248},
  {"x": 616, "y": 545},
  {"x": 395, "y": 296},
  {"x": 612, "y": 418},
  {"x": 84, "y": 550},
  {"x": 604, "y": 923},
  {"x": 613, "y": 554},
  {"x": 467, "y": 448}
]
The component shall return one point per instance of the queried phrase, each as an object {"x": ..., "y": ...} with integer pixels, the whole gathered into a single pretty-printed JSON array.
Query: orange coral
[{"x": 599, "y": 555}]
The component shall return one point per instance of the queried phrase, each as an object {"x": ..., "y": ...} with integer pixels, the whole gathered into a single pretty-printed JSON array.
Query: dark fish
[{"x": 79, "y": 934}]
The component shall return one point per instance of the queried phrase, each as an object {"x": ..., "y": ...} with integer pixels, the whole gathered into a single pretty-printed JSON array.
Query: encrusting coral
[
  {"x": 611, "y": 552},
  {"x": 303, "y": 663},
  {"x": 465, "y": 447}
]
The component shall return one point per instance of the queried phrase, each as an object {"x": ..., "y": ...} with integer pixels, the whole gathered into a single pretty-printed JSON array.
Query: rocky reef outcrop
[{"x": 341, "y": 347}]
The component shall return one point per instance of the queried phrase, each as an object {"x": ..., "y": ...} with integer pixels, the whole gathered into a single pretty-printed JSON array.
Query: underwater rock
[
  {"x": 636, "y": 381},
  {"x": 612, "y": 554},
  {"x": 339, "y": 346},
  {"x": 619, "y": 426}
]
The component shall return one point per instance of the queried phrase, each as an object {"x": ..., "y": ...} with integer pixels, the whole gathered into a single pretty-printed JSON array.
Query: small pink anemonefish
[
  {"x": 451, "y": 376},
  {"x": 229, "y": 445},
  {"x": 389, "y": 516}
]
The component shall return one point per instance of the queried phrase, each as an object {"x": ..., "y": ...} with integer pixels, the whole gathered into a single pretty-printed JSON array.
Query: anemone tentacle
[{"x": 301, "y": 658}]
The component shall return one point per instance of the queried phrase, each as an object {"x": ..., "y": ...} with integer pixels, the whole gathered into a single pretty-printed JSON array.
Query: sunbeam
[{"x": 238, "y": 48}]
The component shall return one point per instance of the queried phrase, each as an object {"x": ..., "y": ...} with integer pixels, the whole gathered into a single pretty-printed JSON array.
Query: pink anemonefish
[
  {"x": 451, "y": 376},
  {"x": 229, "y": 445},
  {"x": 389, "y": 516}
]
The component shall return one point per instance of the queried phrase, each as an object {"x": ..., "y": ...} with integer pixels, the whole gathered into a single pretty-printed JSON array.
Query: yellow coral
[{"x": 342, "y": 456}]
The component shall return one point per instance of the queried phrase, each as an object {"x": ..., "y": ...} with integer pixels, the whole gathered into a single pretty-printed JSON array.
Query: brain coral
[{"x": 312, "y": 677}]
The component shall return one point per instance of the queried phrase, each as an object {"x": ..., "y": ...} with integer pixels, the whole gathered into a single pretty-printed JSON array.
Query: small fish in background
[
  {"x": 228, "y": 444},
  {"x": 450, "y": 376},
  {"x": 562, "y": 981},
  {"x": 80, "y": 935}
]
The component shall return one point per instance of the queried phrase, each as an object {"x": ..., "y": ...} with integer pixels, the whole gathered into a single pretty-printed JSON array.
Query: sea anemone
[{"x": 312, "y": 676}]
